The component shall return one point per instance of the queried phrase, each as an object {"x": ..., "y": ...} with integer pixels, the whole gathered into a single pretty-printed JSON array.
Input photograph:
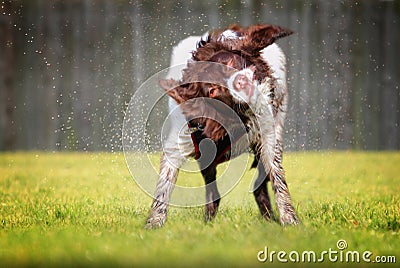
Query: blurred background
[{"x": 68, "y": 68}]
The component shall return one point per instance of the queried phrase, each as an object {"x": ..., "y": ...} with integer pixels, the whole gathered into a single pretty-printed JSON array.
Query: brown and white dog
[{"x": 253, "y": 84}]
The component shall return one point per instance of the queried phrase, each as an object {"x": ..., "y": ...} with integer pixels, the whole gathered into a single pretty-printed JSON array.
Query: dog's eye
[{"x": 212, "y": 89}]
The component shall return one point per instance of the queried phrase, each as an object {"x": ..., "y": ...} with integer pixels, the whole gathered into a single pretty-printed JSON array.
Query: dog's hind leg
[
  {"x": 287, "y": 212},
  {"x": 271, "y": 156},
  {"x": 177, "y": 148},
  {"x": 165, "y": 186}
]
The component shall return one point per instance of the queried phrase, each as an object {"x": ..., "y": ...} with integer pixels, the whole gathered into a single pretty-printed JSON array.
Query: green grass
[{"x": 84, "y": 209}]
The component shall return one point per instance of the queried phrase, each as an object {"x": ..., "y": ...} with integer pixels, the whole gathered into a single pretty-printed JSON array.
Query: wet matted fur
[{"x": 237, "y": 48}]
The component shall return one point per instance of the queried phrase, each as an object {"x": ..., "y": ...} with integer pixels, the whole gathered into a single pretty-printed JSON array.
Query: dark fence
[{"x": 69, "y": 68}]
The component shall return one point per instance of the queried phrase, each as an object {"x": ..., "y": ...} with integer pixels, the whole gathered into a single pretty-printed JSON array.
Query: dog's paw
[
  {"x": 155, "y": 221},
  {"x": 289, "y": 219}
]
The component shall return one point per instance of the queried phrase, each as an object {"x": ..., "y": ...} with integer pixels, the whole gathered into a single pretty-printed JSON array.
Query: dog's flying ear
[
  {"x": 168, "y": 84},
  {"x": 262, "y": 35},
  {"x": 172, "y": 88}
]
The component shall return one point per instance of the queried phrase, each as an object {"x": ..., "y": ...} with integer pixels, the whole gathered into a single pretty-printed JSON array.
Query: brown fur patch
[{"x": 236, "y": 53}]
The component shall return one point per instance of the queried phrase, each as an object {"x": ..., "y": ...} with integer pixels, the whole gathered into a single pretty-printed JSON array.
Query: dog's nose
[{"x": 240, "y": 82}]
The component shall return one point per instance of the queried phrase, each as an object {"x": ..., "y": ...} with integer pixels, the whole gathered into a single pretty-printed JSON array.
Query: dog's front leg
[
  {"x": 212, "y": 195},
  {"x": 261, "y": 193}
]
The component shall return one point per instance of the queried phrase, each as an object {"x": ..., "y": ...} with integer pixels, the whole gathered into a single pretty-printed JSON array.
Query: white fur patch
[
  {"x": 178, "y": 138},
  {"x": 229, "y": 34},
  {"x": 241, "y": 95},
  {"x": 274, "y": 56},
  {"x": 181, "y": 54}
]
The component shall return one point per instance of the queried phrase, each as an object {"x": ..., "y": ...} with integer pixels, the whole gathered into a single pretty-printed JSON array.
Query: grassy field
[{"x": 69, "y": 209}]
